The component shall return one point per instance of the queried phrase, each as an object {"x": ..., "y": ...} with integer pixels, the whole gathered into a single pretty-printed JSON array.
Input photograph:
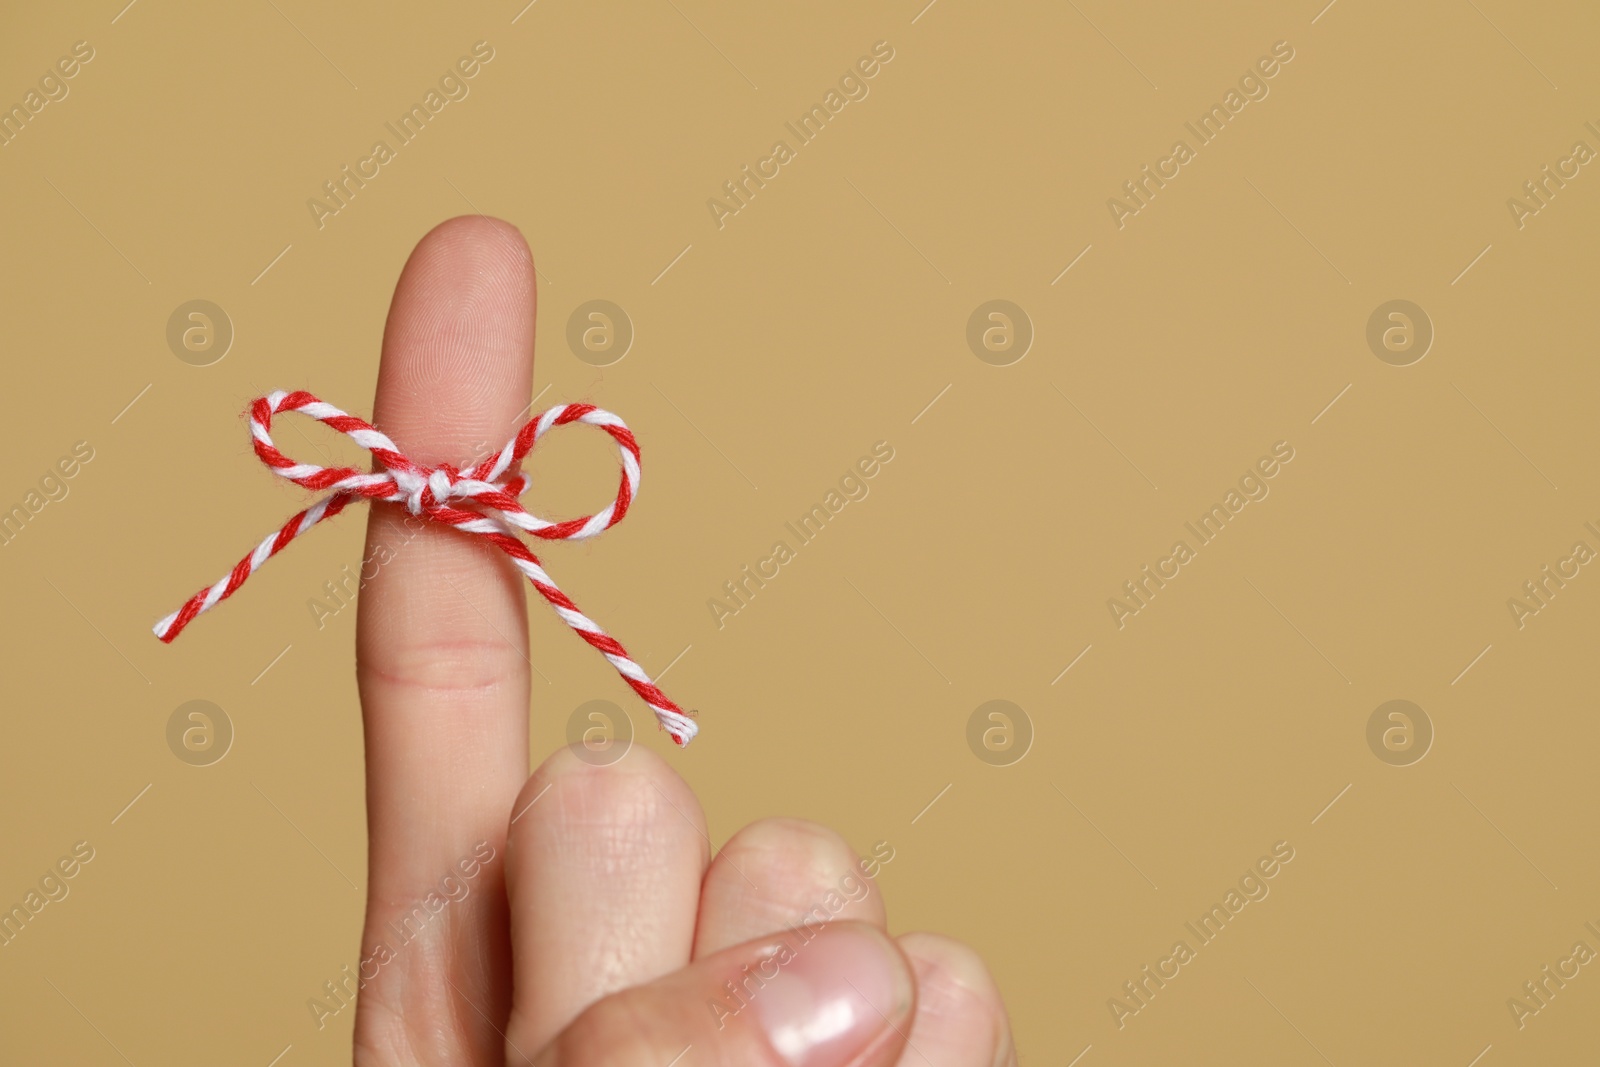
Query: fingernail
[{"x": 840, "y": 993}]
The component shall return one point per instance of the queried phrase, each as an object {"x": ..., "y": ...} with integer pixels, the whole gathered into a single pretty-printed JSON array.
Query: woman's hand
[{"x": 577, "y": 916}]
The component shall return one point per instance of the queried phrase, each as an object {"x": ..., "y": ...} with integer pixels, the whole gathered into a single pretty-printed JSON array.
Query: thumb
[{"x": 840, "y": 995}]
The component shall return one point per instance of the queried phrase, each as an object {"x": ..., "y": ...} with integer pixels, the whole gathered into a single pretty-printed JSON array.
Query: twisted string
[{"x": 492, "y": 512}]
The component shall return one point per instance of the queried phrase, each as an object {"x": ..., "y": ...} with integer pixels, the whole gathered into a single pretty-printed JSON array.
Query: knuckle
[{"x": 442, "y": 667}]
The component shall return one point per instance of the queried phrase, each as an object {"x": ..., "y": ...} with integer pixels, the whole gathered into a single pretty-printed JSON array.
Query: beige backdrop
[{"x": 1167, "y": 345}]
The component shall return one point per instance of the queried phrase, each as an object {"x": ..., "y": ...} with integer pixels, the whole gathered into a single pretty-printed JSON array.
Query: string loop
[{"x": 481, "y": 499}]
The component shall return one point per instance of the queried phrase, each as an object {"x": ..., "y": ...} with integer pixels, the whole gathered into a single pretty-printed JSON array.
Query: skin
[{"x": 601, "y": 927}]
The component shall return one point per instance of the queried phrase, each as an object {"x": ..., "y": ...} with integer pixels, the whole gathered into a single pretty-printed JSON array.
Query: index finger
[{"x": 442, "y": 659}]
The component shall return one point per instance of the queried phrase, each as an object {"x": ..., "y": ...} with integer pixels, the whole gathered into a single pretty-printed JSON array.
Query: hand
[{"x": 576, "y": 917}]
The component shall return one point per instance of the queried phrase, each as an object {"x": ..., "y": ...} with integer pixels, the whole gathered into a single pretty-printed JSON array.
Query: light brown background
[{"x": 821, "y": 319}]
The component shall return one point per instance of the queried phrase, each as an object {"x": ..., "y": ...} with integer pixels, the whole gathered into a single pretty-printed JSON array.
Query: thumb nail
[{"x": 841, "y": 993}]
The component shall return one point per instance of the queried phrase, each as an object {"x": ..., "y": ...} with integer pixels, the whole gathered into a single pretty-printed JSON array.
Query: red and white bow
[{"x": 433, "y": 493}]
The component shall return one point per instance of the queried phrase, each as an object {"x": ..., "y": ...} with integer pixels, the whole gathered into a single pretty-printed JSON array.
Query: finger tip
[
  {"x": 458, "y": 344},
  {"x": 951, "y": 960},
  {"x": 795, "y": 852},
  {"x": 780, "y": 872},
  {"x": 471, "y": 258},
  {"x": 959, "y": 1002},
  {"x": 479, "y": 232},
  {"x": 639, "y": 781}
]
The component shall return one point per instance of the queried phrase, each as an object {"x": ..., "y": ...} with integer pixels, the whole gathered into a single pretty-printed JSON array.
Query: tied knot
[
  {"x": 425, "y": 489},
  {"x": 485, "y": 498}
]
